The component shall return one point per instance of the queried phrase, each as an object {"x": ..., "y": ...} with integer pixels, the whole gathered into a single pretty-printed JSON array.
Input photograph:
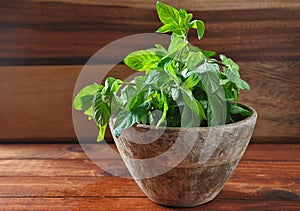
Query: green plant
[{"x": 187, "y": 85}]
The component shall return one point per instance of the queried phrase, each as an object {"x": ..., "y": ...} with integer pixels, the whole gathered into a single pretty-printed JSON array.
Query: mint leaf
[
  {"x": 185, "y": 18},
  {"x": 160, "y": 47},
  {"x": 231, "y": 70},
  {"x": 101, "y": 134},
  {"x": 209, "y": 54},
  {"x": 199, "y": 25},
  {"x": 142, "y": 109},
  {"x": 112, "y": 85},
  {"x": 167, "y": 14},
  {"x": 189, "y": 118},
  {"x": 101, "y": 110},
  {"x": 124, "y": 120},
  {"x": 194, "y": 59},
  {"x": 192, "y": 103},
  {"x": 167, "y": 28},
  {"x": 209, "y": 76},
  {"x": 235, "y": 109},
  {"x": 216, "y": 111},
  {"x": 84, "y": 98},
  {"x": 176, "y": 45},
  {"x": 165, "y": 109},
  {"x": 136, "y": 99},
  {"x": 157, "y": 76},
  {"x": 174, "y": 93},
  {"x": 192, "y": 81},
  {"x": 143, "y": 59}
]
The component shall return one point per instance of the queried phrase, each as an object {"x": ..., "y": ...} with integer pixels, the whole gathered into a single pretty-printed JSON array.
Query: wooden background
[{"x": 44, "y": 45}]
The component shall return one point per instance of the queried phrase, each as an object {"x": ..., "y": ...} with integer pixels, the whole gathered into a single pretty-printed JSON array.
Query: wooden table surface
[{"x": 61, "y": 177}]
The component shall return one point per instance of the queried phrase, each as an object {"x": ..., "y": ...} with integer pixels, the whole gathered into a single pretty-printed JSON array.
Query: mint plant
[{"x": 183, "y": 85}]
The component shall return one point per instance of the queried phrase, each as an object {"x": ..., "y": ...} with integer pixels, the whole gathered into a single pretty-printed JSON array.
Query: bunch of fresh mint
[{"x": 183, "y": 86}]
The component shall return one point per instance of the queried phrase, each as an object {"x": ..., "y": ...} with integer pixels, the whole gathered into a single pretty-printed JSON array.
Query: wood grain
[
  {"x": 69, "y": 32},
  {"x": 49, "y": 41},
  {"x": 38, "y": 100},
  {"x": 67, "y": 168},
  {"x": 59, "y": 177},
  {"x": 192, "y": 4},
  {"x": 93, "y": 203},
  {"x": 120, "y": 187},
  {"x": 254, "y": 152}
]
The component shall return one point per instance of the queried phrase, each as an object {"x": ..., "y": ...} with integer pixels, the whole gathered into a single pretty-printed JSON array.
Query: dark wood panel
[
  {"x": 45, "y": 32},
  {"x": 193, "y": 4},
  {"x": 37, "y": 100}
]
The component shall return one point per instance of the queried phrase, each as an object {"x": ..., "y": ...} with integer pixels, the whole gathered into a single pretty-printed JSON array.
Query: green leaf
[
  {"x": 176, "y": 45},
  {"x": 89, "y": 112},
  {"x": 84, "y": 98},
  {"x": 167, "y": 14},
  {"x": 160, "y": 47},
  {"x": 217, "y": 110},
  {"x": 175, "y": 42},
  {"x": 124, "y": 120},
  {"x": 166, "y": 28},
  {"x": 192, "y": 103},
  {"x": 136, "y": 99},
  {"x": 192, "y": 81},
  {"x": 139, "y": 82},
  {"x": 244, "y": 85},
  {"x": 199, "y": 25},
  {"x": 189, "y": 118},
  {"x": 101, "y": 110},
  {"x": 126, "y": 93},
  {"x": 235, "y": 109},
  {"x": 232, "y": 72},
  {"x": 209, "y": 76},
  {"x": 112, "y": 85},
  {"x": 171, "y": 70},
  {"x": 174, "y": 93},
  {"x": 143, "y": 59},
  {"x": 101, "y": 134},
  {"x": 142, "y": 109},
  {"x": 235, "y": 96},
  {"x": 185, "y": 18},
  {"x": 194, "y": 59},
  {"x": 165, "y": 109},
  {"x": 209, "y": 54},
  {"x": 156, "y": 76},
  {"x": 223, "y": 82}
]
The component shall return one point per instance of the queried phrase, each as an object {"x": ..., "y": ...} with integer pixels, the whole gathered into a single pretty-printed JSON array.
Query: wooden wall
[{"x": 44, "y": 44}]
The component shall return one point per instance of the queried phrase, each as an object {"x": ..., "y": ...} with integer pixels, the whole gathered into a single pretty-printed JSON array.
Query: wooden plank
[
  {"x": 272, "y": 152},
  {"x": 192, "y": 4},
  {"x": 72, "y": 182},
  {"x": 68, "y": 187},
  {"x": 95, "y": 203},
  {"x": 40, "y": 97},
  {"x": 43, "y": 34},
  {"x": 64, "y": 168},
  {"x": 24, "y": 187},
  {"x": 42, "y": 151},
  {"x": 254, "y": 152},
  {"x": 38, "y": 100}
]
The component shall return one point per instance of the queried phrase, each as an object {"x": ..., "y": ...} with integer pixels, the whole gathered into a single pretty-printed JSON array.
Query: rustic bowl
[{"x": 184, "y": 167}]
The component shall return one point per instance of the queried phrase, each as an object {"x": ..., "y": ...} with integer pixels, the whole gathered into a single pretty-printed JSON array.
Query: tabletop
[{"x": 62, "y": 177}]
